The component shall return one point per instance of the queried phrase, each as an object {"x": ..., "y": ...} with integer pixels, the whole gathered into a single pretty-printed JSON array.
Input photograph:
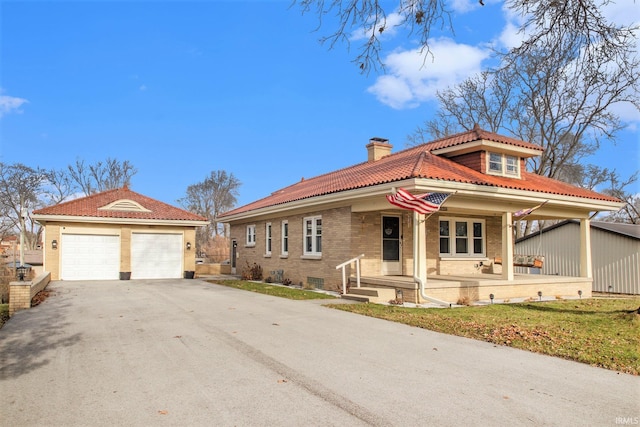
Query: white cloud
[
  {"x": 142, "y": 88},
  {"x": 11, "y": 104},
  {"x": 411, "y": 80}
]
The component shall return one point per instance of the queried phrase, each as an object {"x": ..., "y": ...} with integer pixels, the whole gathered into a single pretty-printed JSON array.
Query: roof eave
[
  {"x": 421, "y": 185},
  {"x": 484, "y": 144},
  {"x": 43, "y": 219}
]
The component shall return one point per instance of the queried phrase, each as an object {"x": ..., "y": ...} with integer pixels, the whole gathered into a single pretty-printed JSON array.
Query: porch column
[
  {"x": 419, "y": 247},
  {"x": 507, "y": 246},
  {"x": 586, "y": 269}
]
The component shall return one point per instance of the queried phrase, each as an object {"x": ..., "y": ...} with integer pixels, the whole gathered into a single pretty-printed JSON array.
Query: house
[
  {"x": 32, "y": 259},
  {"x": 118, "y": 234},
  {"x": 310, "y": 229},
  {"x": 615, "y": 253}
]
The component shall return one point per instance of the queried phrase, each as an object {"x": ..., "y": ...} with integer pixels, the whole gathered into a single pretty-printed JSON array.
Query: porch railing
[{"x": 344, "y": 273}]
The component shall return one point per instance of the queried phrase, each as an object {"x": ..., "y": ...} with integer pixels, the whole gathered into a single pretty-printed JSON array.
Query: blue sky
[{"x": 181, "y": 89}]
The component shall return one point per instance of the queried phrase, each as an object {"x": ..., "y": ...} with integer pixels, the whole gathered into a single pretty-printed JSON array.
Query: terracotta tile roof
[
  {"x": 90, "y": 207},
  {"x": 418, "y": 162},
  {"x": 477, "y": 133}
]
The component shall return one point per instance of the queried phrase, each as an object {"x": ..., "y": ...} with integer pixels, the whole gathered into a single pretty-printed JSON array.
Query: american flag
[
  {"x": 424, "y": 203},
  {"x": 525, "y": 212}
]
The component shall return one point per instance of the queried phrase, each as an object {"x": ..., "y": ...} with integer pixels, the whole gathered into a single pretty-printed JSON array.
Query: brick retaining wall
[{"x": 21, "y": 293}]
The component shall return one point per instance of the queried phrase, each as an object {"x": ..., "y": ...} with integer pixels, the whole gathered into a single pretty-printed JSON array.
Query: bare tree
[
  {"x": 542, "y": 19},
  {"x": 101, "y": 176},
  {"x": 20, "y": 191},
  {"x": 210, "y": 198},
  {"x": 618, "y": 187},
  {"x": 563, "y": 105},
  {"x": 58, "y": 188}
]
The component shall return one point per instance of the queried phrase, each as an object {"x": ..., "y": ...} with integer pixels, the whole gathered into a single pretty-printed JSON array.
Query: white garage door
[
  {"x": 90, "y": 257},
  {"x": 156, "y": 256}
]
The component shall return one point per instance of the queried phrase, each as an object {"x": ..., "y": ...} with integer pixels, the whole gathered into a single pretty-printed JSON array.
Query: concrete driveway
[{"x": 186, "y": 352}]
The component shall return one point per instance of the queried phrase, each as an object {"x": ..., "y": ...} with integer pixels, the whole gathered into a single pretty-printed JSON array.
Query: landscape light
[
  {"x": 491, "y": 296},
  {"x": 540, "y": 295},
  {"x": 580, "y": 294}
]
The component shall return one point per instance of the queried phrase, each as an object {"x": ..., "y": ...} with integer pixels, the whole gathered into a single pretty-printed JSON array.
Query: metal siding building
[{"x": 615, "y": 253}]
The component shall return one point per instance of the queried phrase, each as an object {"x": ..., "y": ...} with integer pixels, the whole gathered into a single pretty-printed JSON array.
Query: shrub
[{"x": 252, "y": 272}]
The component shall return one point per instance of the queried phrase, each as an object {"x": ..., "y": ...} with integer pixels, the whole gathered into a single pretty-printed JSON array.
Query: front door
[{"x": 391, "y": 245}]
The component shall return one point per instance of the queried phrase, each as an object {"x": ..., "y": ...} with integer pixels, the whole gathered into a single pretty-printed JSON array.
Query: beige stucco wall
[{"x": 54, "y": 231}]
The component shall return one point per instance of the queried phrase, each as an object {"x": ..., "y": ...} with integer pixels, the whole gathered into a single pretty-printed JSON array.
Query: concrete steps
[{"x": 376, "y": 295}]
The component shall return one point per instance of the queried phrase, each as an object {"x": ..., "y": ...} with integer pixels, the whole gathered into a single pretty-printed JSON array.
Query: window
[
  {"x": 251, "y": 235},
  {"x": 467, "y": 236},
  {"x": 313, "y": 235},
  {"x": 502, "y": 164},
  {"x": 512, "y": 166},
  {"x": 267, "y": 238},
  {"x": 495, "y": 163},
  {"x": 285, "y": 238}
]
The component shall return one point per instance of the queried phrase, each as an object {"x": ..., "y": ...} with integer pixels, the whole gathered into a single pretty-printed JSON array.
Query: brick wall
[
  {"x": 21, "y": 293},
  {"x": 336, "y": 247}
]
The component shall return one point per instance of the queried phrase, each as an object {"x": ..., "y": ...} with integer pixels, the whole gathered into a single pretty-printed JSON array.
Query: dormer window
[{"x": 503, "y": 164}]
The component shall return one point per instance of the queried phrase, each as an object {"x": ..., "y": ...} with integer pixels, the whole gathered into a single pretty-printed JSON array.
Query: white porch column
[
  {"x": 507, "y": 246},
  {"x": 419, "y": 247},
  {"x": 586, "y": 269}
]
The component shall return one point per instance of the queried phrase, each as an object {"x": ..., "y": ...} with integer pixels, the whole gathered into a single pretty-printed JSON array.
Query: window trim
[
  {"x": 250, "y": 236},
  {"x": 504, "y": 165},
  {"x": 284, "y": 239},
  {"x": 268, "y": 239},
  {"x": 315, "y": 237},
  {"x": 470, "y": 238}
]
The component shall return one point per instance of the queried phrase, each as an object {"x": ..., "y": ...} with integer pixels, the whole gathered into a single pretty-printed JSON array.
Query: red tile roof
[
  {"x": 476, "y": 134},
  {"x": 90, "y": 207},
  {"x": 418, "y": 162}
]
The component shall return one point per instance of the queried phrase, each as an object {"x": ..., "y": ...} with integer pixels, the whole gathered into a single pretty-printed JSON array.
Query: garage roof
[{"x": 118, "y": 204}]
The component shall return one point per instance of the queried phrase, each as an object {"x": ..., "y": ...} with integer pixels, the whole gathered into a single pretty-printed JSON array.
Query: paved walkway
[{"x": 189, "y": 353}]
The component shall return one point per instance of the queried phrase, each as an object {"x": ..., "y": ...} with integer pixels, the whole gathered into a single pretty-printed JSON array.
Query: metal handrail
[{"x": 344, "y": 274}]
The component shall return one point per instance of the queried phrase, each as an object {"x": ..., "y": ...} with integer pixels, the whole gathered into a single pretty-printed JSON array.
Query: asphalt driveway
[{"x": 186, "y": 352}]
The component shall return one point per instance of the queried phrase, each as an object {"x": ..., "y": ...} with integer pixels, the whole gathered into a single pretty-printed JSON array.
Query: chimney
[{"x": 378, "y": 148}]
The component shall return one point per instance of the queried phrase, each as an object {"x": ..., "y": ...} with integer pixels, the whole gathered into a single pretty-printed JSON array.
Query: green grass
[
  {"x": 4, "y": 313},
  {"x": 599, "y": 332},
  {"x": 275, "y": 290}
]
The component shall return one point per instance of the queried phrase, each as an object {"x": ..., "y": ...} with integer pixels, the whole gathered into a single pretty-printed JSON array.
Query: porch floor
[{"x": 480, "y": 287}]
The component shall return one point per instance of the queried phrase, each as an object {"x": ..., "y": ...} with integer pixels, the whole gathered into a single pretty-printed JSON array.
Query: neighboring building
[
  {"x": 32, "y": 259},
  {"x": 615, "y": 253},
  {"x": 309, "y": 228},
  {"x": 118, "y": 234}
]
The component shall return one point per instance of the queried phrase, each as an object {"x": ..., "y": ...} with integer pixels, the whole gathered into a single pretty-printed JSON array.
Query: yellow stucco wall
[{"x": 54, "y": 231}]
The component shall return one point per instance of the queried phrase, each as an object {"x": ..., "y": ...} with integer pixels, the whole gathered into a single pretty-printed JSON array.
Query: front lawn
[
  {"x": 599, "y": 332},
  {"x": 271, "y": 289}
]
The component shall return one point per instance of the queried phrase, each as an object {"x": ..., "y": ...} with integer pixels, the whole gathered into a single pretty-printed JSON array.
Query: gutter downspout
[{"x": 418, "y": 258}]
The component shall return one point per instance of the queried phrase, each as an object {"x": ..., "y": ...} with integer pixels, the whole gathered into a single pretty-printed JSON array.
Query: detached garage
[{"x": 118, "y": 234}]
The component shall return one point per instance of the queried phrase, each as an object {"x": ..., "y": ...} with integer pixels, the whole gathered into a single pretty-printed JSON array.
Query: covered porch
[{"x": 479, "y": 287}]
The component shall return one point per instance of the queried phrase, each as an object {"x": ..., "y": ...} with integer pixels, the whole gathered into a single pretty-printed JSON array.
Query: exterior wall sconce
[
  {"x": 188, "y": 246},
  {"x": 54, "y": 244}
]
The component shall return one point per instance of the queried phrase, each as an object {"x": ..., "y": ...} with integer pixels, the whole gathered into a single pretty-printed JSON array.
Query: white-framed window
[
  {"x": 462, "y": 237},
  {"x": 503, "y": 164},
  {"x": 251, "y": 235},
  {"x": 267, "y": 238},
  {"x": 284, "y": 234},
  {"x": 312, "y": 231}
]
